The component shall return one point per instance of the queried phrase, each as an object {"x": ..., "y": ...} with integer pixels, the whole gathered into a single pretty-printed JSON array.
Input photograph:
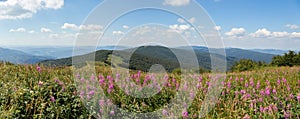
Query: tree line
[{"x": 290, "y": 58}]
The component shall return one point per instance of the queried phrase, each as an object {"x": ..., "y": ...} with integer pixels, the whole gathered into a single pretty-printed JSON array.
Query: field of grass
[{"x": 31, "y": 91}]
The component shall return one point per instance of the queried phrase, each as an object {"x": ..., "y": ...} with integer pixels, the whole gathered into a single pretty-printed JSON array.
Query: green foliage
[
  {"x": 26, "y": 93},
  {"x": 288, "y": 59},
  {"x": 246, "y": 64}
]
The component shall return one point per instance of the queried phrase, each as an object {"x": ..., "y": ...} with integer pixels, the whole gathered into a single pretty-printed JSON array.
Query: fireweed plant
[{"x": 31, "y": 91}]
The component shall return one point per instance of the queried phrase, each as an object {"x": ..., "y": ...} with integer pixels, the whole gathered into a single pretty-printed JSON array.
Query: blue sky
[{"x": 241, "y": 23}]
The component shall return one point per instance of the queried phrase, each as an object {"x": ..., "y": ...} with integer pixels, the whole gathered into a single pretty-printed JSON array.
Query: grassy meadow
[{"x": 31, "y": 91}]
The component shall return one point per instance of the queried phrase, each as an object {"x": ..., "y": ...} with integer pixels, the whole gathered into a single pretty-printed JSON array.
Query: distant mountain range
[
  {"x": 238, "y": 53},
  {"x": 146, "y": 56},
  {"x": 61, "y": 52},
  {"x": 19, "y": 57},
  {"x": 271, "y": 51},
  {"x": 64, "y": 52}
]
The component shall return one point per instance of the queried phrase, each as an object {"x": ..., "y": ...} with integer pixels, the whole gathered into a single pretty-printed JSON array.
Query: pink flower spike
[
  {"x": 112, "y": 113},
  {"x": 261, "y": 109},
  {"x": 185, "y": 114},
  {"x": 243, "y": 92},
  {"x": 91, "y": 92},
  {"x": 229, "y": 84},
  {"x": 38, "y": 68},
  {"x": 165, "y": 112},
  {"x": 242, "y": 79},
  {"x": 40, "y": 83},
  {"x": 288, "y": 88},
  {"x": 274, "y": 91},
  {"x": 52, "y": 99},
  {"x": 283, "y": 80},
  {"x": 246, "y": 85},
  {"x": 236, "y": 93},
  {"x": 101, "y": 102},
  {"x": 251, "y": 82},
  {"x": 267, "y": 91},
  {"x": 258, "y": 85},
  {"x": 200, "y": 79}
]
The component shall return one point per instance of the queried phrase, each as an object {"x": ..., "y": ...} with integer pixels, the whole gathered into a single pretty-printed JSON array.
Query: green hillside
[{"x": 144, "y": 57}]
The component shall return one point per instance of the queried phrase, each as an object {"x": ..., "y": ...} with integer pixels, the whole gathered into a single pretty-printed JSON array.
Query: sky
[{"x": 249, "y": 24}]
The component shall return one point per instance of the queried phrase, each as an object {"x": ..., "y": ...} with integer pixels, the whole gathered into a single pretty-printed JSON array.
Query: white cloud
[
  {"x": 21, "y": 9},
  {"x": 176, "y": 2},
  {"x": 118, "y": 33},
  {"x": 18, "y": 30},
  {"x": 262, "y": 33},
  {"x": 126, "y": 27},
  {"x": 295, "y": 35},
  {"x": 191, "y": 20},
  {"x": 45, "y": 30},
  {"x": 180, "y": 20},
  {"x": 218, "y": 28},
  {"x": 236, "y": 32},
  {"x": 292, "y": 26},
  {"x": 31, "y": 32},
  {"x": 280, "y": 34},
  {"x": 69, "y": 26},
  {"x": 89, "y": 27},
  {"x": 179, "y": 28}
]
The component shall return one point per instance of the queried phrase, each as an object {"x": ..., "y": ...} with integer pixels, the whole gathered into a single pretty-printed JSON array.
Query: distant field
[{"x": 30, "y": 91}]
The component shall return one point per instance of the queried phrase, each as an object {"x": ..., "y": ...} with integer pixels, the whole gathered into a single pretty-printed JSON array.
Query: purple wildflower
[
  {"x": 251, "y": 82},
  {"x": 101, "y": 102},
  {"x": 288, "y": 88},
  {"x": 267, "y": 91},
  {"x": 192, "y": 95},
  {"x": 92, "y": 92},
  {"x": 246, "y": 116},
  {"x": 198, "y": 85},
  {"x": 92, "y": 77},
  {"x": 260, "y": 99},
  {"x": 262, "y": 92},
  {"x": 274, "y": 91},
  {"x": 261, "y": 109},
  {"x": 165, "y": 112},
  {"x": 258, "y": 85},
  {"x": 246, "y": 85},
  {"x": 291, "y": 96},
  {"x": 243, "y": 92},
  {"x": 242, "y": 79},
  {"x": 236, "y": 93},
  {"x": 38, "y": 68},
  {"x": 112, "y": 113},
  {"x": 200, "y": 79},
  {"x": 229, "y": 84},
  {"x": 283, "y": 80},
  {"x": 40, "y": 83},
  {"x": 52, "y": 99},
  {"x": 185, "y": 114}
]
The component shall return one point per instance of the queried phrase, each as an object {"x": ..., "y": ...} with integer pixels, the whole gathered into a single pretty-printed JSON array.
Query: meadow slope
[{"x": 31, "y": 91}]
